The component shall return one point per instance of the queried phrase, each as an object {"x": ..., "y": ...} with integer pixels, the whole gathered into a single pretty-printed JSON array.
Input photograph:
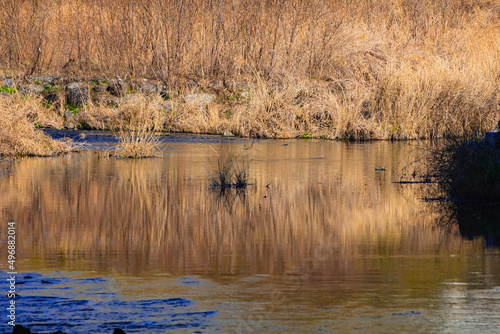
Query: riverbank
[
  {"x": 260, "y": 109},
  {"x": 256, "y": 69}
]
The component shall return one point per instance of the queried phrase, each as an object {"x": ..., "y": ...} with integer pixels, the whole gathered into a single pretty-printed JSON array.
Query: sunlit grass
[
  {"x": 137, "y": 144},
  {"x": 19, "y": 135},
  {"x": 351, "y": 70}
]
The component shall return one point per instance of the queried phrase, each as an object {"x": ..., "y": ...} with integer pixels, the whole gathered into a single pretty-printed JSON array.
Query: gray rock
[
  {"x": 45, "y": 79},
  {"x": 149, "y": 88},
  {"x": 100, "y": 88},
  {"x": 106, "y": 100},
  {"x": 31, "y": 90},
  {"x": 169, "y": 106},
  {"x": 71, "y": 80},
  {"x": 99, "y": 81},
  {"x": 70, "y": 116},
  {"x": 5, "y": 95},
  {"x": 51, "y": 98},
  {"x": 119, "y": 87},
  {"x": 199, "y": 99},
  {"x": 216, "y": 83},
  {"x": 228, "y": 134},
  {"x": 8, "y": 83},
  {"x": 69, "y": 125},
  {"x": 77, "y": 94},
  {"x": 56, "y": 99}
]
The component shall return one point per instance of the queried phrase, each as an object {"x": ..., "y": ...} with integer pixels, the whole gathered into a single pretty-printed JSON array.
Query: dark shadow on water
[
  {"x": 479, "y": 220},
  {"x": 474, "y": 219}
]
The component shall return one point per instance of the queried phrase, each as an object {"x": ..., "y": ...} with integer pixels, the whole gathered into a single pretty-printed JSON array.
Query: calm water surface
[{"x": 321, "y": 241}]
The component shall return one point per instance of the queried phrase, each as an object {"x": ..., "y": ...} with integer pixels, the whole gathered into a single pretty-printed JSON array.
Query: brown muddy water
[{"x": 322, "y": 240}]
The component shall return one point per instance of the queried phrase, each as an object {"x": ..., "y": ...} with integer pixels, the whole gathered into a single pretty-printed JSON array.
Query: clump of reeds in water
[
  {"x": 137, "y": 144},
  {"x": 137, "y": 127},
  {"x": 231, "y": 169}
]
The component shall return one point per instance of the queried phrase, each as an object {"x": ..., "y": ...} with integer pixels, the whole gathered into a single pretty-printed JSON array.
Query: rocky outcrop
[
  {"x": 66, "y": 94},
  {"x": 119, "y": 87},
  {"x": 44, "y": 80},
  {"x": 77, "y": 94},
  {"x": 31, "y": 90},
  {"x": 200, "y": 100},
  {"x": 7, "y": 82},
  {"x": 149, "y": 88}
]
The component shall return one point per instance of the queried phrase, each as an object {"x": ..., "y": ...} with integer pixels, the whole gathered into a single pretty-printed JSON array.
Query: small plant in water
[{"x": 231, "y": 169}]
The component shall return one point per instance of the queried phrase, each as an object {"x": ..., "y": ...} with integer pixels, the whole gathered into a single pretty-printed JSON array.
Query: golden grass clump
[
  {"x": 135, "y": 120},
  {"x": 18, "y": 135},
  {"x": 137, "y": 144}
]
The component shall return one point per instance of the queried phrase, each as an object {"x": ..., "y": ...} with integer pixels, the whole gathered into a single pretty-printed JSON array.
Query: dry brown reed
[
  {"x": 18, "y": 134},
  {"x": 135, "y": 120},
  {"x": 137, "y": 144},
  {"x": 335, "y": 69}
]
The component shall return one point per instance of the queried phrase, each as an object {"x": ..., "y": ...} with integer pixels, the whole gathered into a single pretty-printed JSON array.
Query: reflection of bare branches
[{"x": 227, "y": 197}]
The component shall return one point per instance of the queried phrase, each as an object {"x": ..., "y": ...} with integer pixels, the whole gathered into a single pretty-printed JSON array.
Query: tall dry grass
[
  {"x": 18, "y": 133},
  {"x": 344, "y": 69},
  {"x": 137, "y": 144}
]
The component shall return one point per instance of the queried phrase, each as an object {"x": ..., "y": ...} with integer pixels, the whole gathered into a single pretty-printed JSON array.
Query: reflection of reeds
[{"x": 147, "y": 214}]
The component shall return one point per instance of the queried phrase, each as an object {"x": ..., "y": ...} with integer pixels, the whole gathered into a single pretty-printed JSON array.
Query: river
[{"x": 323, "y": 239}]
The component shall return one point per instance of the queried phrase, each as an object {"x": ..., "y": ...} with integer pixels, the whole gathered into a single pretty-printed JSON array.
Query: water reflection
[
  {"x": 160, "y": 213},
  {"x": 320, "y": 233},
  {"x": 475, "y": 220}
]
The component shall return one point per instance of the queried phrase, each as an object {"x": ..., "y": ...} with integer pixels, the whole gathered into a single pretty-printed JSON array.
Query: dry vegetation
[
  {"x": 357, "y": 69},
  {"x": 137, "y": 144},
  {"x": 18, "y": 135}
]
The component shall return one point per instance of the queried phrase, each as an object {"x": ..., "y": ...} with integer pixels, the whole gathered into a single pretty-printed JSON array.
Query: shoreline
[{"x": 248, "y": 109}]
